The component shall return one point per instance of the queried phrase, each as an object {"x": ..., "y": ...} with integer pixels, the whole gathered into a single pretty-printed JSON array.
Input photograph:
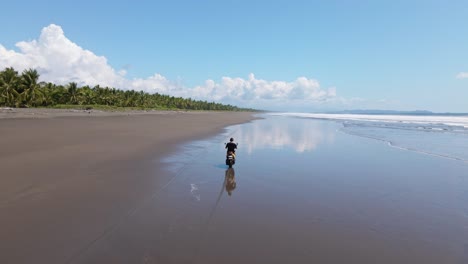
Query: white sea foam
[{"x": 460, "y": 121}]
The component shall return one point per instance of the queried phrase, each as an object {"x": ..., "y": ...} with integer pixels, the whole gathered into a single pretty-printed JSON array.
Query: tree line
[{"x": 25, "y": 90}]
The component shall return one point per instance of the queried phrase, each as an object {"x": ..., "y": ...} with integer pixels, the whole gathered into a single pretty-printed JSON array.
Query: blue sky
[{"x": 278, "y": 55}]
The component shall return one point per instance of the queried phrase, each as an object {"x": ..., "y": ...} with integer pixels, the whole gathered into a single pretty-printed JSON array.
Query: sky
[{"x": 306, "y": 56}]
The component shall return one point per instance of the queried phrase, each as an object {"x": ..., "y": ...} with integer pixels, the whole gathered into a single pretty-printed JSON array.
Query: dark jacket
[{"x": 231, "y": 146}]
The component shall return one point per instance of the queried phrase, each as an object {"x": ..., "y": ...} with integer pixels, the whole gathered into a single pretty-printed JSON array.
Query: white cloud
[
  {"x": 462, "y": 75},
  {"x": 257, "y": 89},
  {"x": 59, "y": 60}
]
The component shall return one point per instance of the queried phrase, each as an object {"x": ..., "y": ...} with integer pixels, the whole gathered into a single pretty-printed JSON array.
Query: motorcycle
[{"x": 230, "y": 158}]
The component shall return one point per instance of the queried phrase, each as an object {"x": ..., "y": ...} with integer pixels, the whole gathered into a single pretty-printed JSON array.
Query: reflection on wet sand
[
  {"x": 230, "y": 180},
  {"x": 282, "y": 133},
  {"x": 229, "y": 185}
]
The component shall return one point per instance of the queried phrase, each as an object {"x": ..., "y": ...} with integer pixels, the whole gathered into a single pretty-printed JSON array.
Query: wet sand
[
  {"x": 300, "y": 192},
  {"x": 69, "y": 178}
]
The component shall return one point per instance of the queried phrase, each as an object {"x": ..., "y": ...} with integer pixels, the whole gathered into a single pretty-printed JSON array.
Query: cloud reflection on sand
[{"x": 283, "y": 133}]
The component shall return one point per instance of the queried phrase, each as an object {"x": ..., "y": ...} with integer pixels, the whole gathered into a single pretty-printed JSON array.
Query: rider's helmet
[{"x": 231, "y": 140}]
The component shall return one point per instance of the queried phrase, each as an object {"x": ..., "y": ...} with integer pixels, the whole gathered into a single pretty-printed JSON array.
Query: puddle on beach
[{"x": 300, "y": 192}]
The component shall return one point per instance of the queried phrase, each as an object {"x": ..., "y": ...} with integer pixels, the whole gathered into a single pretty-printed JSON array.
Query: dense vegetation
[{"x": 25, "y": 90}]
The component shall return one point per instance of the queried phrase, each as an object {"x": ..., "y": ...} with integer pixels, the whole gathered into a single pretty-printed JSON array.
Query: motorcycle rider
[{"x": 231, "y": 146}]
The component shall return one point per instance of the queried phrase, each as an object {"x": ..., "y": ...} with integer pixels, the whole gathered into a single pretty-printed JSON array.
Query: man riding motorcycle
[
  {"x": 231, "y": 146},
  {"x": 231, "y": 153}
]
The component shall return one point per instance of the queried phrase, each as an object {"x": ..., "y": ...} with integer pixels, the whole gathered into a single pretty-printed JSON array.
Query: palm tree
[
  {"x": 60, "y": 94},
  {"x": 72, "y": 93},
  {"x": 49, "y": 94},
  {"x": 87, "y": 96},
  {"x": 29, "y": 83},
  {"x": 106, "y": 96},
  {"x": 8, "y": 84}
]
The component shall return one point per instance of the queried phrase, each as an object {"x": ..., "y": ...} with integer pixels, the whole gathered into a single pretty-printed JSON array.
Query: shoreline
[{"x": 68, "y": 179}]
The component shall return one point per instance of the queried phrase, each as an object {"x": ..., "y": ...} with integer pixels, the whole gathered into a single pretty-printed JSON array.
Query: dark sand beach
[
  {"x": 68, "y": 178},
  {"x": 120, "y": 189}
]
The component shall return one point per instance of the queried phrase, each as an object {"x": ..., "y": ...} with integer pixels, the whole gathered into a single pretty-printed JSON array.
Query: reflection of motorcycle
[
  {"x": 230, "y": 158},
  {"x": 230, "y": 181}
]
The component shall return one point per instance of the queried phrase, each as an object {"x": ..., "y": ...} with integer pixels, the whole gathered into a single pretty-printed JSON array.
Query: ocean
[{"x": 439, "y": 135}]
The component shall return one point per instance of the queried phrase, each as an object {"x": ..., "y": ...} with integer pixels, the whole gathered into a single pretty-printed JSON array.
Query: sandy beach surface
[
  {"x": 152, "y": 187},
  {"x": 68, "y": 177}
]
